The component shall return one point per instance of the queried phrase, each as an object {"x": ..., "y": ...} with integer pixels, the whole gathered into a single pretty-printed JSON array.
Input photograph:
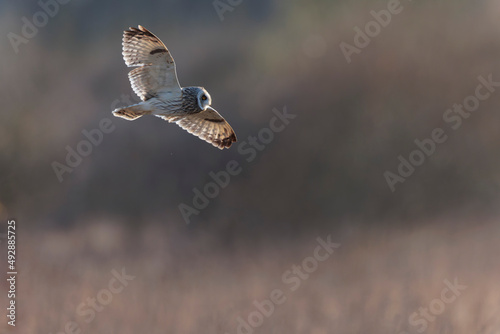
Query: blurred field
[
  {"x": 371, "y": 284},
  {"x": 324, "y": 174}
]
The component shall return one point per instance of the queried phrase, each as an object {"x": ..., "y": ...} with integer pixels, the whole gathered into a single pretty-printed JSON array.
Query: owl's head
[{"x": 204, "y": 99}]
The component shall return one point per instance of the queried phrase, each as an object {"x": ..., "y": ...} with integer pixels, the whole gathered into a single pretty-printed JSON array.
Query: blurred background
[{"x": 324, "y": 174}]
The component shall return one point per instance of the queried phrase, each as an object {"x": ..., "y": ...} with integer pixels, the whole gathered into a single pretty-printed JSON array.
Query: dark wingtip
[
  {"x": 226, "y": 142},
  {"x": 132, "y": 31}
]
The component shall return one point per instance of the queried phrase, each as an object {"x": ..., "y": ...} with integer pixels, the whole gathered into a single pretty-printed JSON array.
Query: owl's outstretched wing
[
  {"x": 156, "y": 68},
  {"x": 208, "y": 125}
]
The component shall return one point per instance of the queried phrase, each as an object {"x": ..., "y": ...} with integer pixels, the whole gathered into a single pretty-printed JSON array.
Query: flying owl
[{"x": 155, "y": 82}]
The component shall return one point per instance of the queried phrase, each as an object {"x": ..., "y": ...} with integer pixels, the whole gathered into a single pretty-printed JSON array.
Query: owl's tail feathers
[{"x": 131, "y": 112}]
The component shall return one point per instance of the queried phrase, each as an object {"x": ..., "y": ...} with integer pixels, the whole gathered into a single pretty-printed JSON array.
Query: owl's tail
[{"x": 131, "y": 112}]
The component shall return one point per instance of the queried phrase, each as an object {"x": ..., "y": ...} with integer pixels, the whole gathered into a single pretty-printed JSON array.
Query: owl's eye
[{"x": 204, "y": 97}]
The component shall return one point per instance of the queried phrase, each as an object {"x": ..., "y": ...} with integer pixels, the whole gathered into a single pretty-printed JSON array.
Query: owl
[{"x": 155, "y": 81}]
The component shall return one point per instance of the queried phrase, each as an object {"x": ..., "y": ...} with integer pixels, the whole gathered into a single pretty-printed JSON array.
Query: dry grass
[{"x": 372, "y": 283}]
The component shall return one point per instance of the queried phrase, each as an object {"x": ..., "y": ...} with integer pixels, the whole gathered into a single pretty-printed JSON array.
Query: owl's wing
[
  {"x": 156, "y": 68},
  {"x": 208, "y": 125}
]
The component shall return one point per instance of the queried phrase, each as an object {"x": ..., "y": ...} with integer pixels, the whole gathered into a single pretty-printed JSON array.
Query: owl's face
[{"x": 204, "y": 99}]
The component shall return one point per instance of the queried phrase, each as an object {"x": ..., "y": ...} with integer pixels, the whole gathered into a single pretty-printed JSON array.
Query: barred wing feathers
[
  {"x": 155, "y": 72},
  {"x": 208, "y": 125}
]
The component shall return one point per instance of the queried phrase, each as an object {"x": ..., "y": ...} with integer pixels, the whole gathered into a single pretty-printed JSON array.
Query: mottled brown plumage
[{"x": 154, "y": 80}]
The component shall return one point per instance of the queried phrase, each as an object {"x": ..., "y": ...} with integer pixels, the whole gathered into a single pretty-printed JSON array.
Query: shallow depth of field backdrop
[{"x": 393, "y": 154}]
